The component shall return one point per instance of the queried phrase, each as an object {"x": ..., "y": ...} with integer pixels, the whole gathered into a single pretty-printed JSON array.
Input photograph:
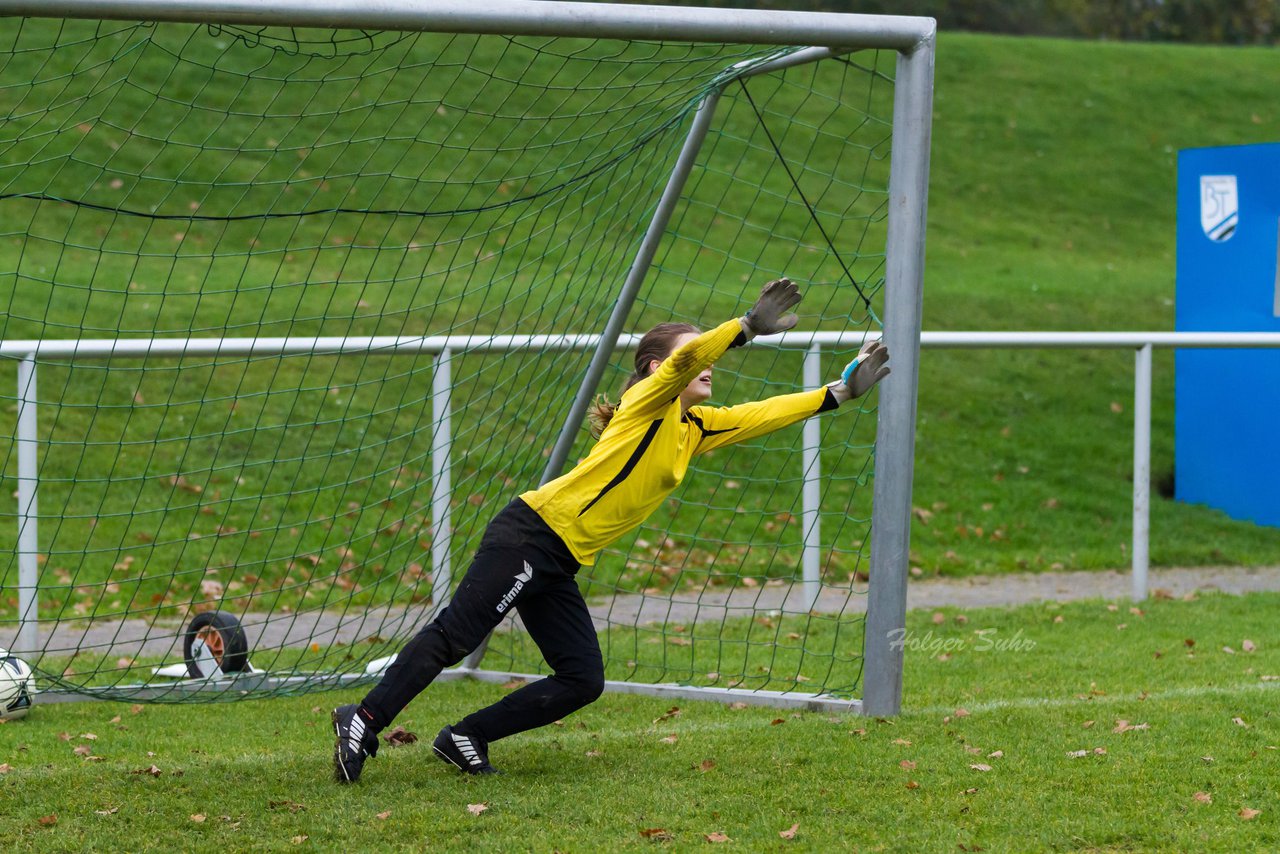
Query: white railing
[{"x": 445, "y": 347}]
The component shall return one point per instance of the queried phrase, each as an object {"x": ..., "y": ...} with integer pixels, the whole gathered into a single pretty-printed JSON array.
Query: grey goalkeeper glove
[
  {"x": 861, "y": 375},
  {"x": 768, "y": 316}
]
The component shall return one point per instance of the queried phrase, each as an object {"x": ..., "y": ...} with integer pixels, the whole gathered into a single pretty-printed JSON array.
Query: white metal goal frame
[{"x": 830, "y": 34}]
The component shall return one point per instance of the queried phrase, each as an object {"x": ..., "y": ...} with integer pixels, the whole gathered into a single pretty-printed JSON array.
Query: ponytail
[{"x": 656, "y": 345}]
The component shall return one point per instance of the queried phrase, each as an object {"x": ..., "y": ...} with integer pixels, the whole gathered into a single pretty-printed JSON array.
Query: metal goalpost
[{"x": 828, "y": 34}]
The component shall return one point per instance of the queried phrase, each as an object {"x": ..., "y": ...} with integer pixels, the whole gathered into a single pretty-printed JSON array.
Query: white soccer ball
[{"x": 17, "y": 687}]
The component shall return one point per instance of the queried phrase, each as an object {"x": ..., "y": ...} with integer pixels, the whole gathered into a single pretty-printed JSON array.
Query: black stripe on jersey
[
  {"x": 629, "y": 466},
  {"x": 829, "y": 402},
  {"x": 697, "y": 422}
]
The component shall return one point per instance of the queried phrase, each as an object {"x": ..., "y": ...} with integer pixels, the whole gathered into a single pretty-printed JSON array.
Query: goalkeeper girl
[{"x": 533, "y": 548}]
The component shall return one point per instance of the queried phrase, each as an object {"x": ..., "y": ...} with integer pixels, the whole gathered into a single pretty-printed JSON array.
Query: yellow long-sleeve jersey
[{"x": 645, "y": 451}]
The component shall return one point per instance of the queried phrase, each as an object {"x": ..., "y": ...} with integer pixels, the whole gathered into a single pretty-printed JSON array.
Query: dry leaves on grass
[
  {"x": 298, "y": 840},
  {"x": 707, "y": 765},
  {"x": 670, "y": 739},
  {"x": 980, "y": 766},
  {"x": 199, "y": 818},
  {"x": 790, "y": 832},
  {"x": 716, "y": 836},
  {"x": 670, "y": 713},
  {"x": 384, "y": 815},
  {"x": 1202, "y": 798},
  {"x": 476, "y": 809},
  {"x": 1246, "y": 813},
  {"x": 399, "y": 737},
  {"x": 107, "y": 811},
  {"x": 5, "y": 768},
  {"x": 657, "y": 834},
  {"x": 907, "y": 765},
  {"x": 48, "y": 820},
  {"x": 1238, "y": 721},
  {"x": 153, "y": 771},
  {"x": 1125, "y": 726}
]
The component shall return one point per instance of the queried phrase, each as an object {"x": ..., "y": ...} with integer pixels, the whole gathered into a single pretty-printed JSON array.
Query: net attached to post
[{"x": 235, "y": 255}]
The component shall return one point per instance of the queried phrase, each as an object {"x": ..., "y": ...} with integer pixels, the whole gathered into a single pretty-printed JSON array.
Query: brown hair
[{"x": 656, "y": 345}]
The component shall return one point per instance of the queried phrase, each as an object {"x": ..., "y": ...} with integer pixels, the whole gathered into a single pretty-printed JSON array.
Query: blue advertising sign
[{"x": 1228, "y": 401}]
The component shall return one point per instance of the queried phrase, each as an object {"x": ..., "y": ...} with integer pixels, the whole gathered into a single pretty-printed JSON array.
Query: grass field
[{"x": 1087, "y": 726}]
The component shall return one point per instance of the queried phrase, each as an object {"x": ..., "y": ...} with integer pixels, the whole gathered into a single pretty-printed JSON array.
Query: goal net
[{"x": 289, "y": 314}]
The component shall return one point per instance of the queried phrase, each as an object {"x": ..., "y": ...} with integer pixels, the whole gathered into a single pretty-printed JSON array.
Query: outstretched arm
[
  {"x": 727, "y": 425},
  {"x": 768, "y": 316}
]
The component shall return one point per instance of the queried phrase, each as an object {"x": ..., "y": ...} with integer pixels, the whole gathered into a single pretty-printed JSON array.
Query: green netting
[{"x": 170, "y": 182}]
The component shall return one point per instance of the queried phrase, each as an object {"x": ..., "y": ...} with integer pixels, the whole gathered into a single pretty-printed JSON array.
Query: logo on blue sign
[{"x": 1219, "y": 206}]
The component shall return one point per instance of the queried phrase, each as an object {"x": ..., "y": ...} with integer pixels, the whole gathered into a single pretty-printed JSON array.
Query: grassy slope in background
[{"x": 1052, "y": 207}]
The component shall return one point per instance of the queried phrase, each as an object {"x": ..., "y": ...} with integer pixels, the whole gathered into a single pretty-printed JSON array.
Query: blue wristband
[{"x": 847, "y": 374}]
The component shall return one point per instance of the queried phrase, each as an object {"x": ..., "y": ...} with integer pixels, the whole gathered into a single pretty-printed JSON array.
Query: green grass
[
  {"x": 1051, "y": 207},
  {"x": 1067, "y": 674}
]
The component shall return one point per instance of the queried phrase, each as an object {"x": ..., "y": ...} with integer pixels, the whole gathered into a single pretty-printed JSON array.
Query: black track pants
[{"x": 521, "y": 564}]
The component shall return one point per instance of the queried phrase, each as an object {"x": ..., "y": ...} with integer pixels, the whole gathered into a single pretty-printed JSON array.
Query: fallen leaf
[
  {"x": 657, "y": 833},
  {"x": 1246, "y": 813},
  {"x": 153, "y": 771},
  {"x": 5, "y": 768},
  {"x": 670, "y": 713},
  {"x": 198, "y": 817},
  {"x": 1100, "y": 751},
  {"x": 907, "y": 765},
  {"x": 384, "y": 815},
  {"x": 1076, "y": 754},
  {"x": 995, "y": 754},
  {"x": 973, "y": 790},
  {"x": 902, "y": 741},
  {"x": 737, "y": 707},
  {"x": 476, "y": 809},
  {"x": 298, "y": 840},
  {"x": 289, "y": 805},
  {"x": 670, "y": 739},
  {"x": 83, "y": 750},
  {"x": 1202, "y": 797},
  {"x": 790, "y": 832},
  {"x": 1206, "y": 759},
  {"x": 399, "y": 737},
  {"x": 135, "y": 709},
  {"x": 108, "y": 811},
  {"x": 1239, "y": 722},
  {"x": 912, "y": 784},
  {"x": 980, "y": 766},
  {"x": 1125, "y": 726},
  {"x": 961, "y": 713},
  {"x": 1248, "y": 645},
  {"x": 1088, "y": 724},
  {"x": 724, "y": 837},
  {"x": 88, "y": 736},
  {"x": 777, "y": 721},
  {"x": 707, "y": 765}
]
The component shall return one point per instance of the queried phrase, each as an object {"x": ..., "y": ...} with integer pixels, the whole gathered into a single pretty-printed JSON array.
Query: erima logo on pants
[{"x": 521, "y": 578}]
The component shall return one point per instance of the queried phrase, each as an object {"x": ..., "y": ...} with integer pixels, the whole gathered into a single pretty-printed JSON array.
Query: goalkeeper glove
[
  {"x": 766, "y": 317},
  {"x": 861, "y": 375}
]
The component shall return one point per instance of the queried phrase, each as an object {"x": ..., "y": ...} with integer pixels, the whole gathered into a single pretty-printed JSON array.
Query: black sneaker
[
  {"x": 356, "y": 742},
  {"x": 465, "y": 752}
]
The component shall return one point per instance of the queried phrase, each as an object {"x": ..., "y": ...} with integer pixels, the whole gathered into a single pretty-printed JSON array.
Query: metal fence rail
[{"x": 445, "y": 348}]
